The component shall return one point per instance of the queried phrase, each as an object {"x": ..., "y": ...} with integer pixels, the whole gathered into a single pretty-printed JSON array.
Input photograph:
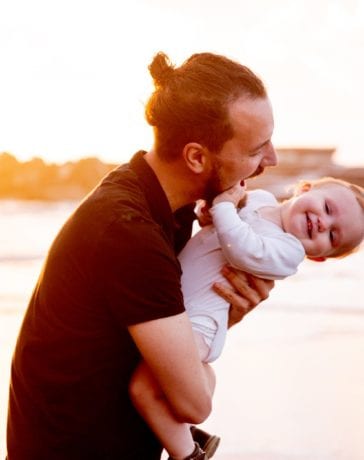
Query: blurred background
[{"x": 74, "y": 81}]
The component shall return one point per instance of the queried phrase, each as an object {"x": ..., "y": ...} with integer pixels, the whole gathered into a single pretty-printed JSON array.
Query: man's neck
[{"x": 173, "y": 178}]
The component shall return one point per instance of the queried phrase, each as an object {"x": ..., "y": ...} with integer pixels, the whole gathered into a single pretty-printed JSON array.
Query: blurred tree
[{"x": 38, "y": 180}]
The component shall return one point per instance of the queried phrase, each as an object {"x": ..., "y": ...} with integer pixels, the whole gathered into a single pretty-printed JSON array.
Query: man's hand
[{"x": 244, "y": 294}]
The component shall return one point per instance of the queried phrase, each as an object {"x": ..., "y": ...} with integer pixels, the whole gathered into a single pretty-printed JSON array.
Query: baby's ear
[
  {"x": 317, "y": 259},
  {"x": 304, "y": 186}
]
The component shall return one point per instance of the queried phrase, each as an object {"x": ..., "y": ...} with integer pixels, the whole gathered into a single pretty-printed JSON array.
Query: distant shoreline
[{"x": 38, "y": 180}]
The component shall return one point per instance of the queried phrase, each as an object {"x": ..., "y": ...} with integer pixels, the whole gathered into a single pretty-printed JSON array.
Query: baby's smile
[{"x": 309, "y": 226}]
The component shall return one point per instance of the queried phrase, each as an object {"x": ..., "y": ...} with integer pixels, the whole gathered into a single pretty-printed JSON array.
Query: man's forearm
[{"x": 168, "y": 347}]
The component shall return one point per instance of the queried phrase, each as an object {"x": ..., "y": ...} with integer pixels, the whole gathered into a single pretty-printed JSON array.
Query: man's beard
[{"x": 214, "y": 187}]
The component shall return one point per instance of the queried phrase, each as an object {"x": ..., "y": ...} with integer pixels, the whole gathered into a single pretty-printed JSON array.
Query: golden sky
[{"x": 74, "y": 72}]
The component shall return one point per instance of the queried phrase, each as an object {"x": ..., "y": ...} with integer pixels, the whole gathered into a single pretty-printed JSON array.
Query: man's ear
[
  {"x": 196, "y": 157},
  {"x": 317, "y": 259}
]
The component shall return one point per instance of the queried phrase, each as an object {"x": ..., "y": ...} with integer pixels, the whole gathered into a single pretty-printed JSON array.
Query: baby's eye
[
  {"x": 327, "y": 208},
  {"x": 334, "y": 238},
  {"x": 331, "y": 237}
]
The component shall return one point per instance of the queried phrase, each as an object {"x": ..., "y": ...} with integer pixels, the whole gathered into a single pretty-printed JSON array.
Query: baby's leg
[
  {"x": 203, "y": 348},
  {"x": 150, "y": 402}
]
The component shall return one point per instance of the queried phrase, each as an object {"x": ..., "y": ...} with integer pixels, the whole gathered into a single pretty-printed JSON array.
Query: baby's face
[{"x": 327, "y": 219}]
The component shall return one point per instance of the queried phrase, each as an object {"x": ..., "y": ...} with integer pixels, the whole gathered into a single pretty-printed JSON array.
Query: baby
[{"x": 323, "y": 218}]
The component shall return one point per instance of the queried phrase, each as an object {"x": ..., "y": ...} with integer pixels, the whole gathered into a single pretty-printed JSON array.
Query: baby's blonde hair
[{"x": 304, "y": 185}]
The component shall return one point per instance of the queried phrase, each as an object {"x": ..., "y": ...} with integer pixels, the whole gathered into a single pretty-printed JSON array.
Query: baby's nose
[{"x": 321, "y": 225}]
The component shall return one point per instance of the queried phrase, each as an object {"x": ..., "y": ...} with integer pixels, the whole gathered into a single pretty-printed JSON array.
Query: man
[{"x": 109, "y": 292}]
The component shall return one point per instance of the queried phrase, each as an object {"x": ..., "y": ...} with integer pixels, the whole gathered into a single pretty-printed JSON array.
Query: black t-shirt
[{"x": 113, "y": 264}]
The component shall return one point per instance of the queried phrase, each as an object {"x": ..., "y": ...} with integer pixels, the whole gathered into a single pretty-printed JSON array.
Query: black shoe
[
  {"x": 208, "y": 442},
  {"x": 197, "y": 454}
]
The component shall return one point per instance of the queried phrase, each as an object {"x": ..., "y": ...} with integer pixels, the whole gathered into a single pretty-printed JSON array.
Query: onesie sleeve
[{"x": 272, "y": 254}]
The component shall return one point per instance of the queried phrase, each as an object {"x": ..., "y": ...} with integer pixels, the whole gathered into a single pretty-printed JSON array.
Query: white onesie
[{"x": 244, "y": 240}]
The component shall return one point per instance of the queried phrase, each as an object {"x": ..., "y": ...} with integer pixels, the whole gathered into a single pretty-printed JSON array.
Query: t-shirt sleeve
[{"x": 141, "y": 273}]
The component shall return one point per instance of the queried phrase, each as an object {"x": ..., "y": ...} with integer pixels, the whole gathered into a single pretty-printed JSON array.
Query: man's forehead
[
  {"x": 252, "y": 117},
  {"x": 250, "y": 106},
  {"x": 246, "y": 113}
]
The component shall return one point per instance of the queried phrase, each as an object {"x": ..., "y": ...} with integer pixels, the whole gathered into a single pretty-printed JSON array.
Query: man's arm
[{"x": 167, "y": 346}]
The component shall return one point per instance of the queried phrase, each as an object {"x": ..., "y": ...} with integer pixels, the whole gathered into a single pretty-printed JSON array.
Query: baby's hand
[
  {"x": 233, "y": 195},
  {"x": 203, "y": 214}
]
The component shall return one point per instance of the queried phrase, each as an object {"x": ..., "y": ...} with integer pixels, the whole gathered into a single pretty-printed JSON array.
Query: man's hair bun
[{"x": 161, "y": 69}]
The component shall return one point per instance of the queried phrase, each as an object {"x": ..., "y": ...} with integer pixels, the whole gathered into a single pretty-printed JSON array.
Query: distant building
[
  {"x": 290, "y": 158},
  {"x": 296, "y": 163}
]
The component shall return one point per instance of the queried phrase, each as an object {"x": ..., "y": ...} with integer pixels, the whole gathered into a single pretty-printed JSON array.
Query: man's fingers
[
  {"x": 241, "y": 282},
  {"x": 239, "y": 303},
  {"x": 244, "y": 292},
  {"x": 262, "y": 286},
  {"x": 239, "y": 306}
]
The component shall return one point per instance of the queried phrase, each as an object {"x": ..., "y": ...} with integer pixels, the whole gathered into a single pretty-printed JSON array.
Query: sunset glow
[
  {"x": 74, "y": 83},
  {"x": 75, "y": 77}
]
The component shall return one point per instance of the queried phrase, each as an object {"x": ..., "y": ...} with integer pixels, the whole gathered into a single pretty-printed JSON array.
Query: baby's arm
[
  {"x": 272, "y": 255},
  {"x": 234, "y": 195}
]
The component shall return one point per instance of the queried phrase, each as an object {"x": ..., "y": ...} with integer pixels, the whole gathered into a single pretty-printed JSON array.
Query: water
[
  {"x": 290, "y": 380},
  {"x": 28, "y": 228}
]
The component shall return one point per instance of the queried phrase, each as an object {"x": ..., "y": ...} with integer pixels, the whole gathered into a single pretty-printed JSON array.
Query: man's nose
[{"x": 270, "y": 156}]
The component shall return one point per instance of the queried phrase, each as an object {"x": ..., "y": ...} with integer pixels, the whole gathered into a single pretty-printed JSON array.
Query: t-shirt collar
[{"x": 154, "y": 193}]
